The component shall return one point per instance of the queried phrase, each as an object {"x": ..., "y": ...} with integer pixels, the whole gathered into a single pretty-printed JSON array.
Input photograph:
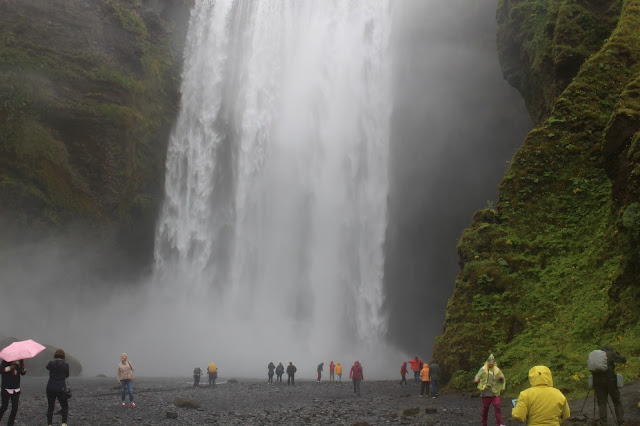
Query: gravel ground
[{"x": 96, "y": 401}]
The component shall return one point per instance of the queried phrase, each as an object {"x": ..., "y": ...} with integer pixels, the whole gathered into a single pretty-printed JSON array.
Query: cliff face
[
  {"x": 553, "y": 271},
  {"x": 88, "y": 92}
]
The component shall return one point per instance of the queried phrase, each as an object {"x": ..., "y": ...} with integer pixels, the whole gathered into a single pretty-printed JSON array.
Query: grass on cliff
[{"x": 548, "y": 276}]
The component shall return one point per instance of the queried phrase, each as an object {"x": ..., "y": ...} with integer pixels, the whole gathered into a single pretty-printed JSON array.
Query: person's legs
[
  {"x": 319, "y": 375},
  {"x": 340, "y": 378},
  {"x": 416, "y": 376},
  {"x": 497, "y": 409},
  {"x": 5, "y": 402},
  {"x": 434, "y": 388},
  {"x": 486, "y": 403},
  {"x": 602, "y": 394},
  {"x": 123, "y": 388},
  {"x": 15, "y": 399},
  {"x": 358, "y": 385},
  {"x": 130, "y": 387},
  {"x": 64, "y": 404},
  {"x": 617, "y": 402},
  {"x": 293, "y": 379},
  {"x": 51, "y": 401},
  {"x": 422, "y": 388},
  {"x": 354, "y": 385}
]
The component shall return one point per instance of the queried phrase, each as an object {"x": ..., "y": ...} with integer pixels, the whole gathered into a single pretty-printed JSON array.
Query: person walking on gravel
[
  {"x": 403, "y": 373},
  {"x": 58, "y": 373},
  {"x": 357, "y": 376},
  {"x": 490, "y": 382},
  {"x": 416, "y": 366},
  {"x": 270, "y": 368},
  {"x": 11, "y": 372},
  {"x": 320, "y": 370},
  {"x": 434, "y": 375},
  {"x": 126, "y": 376},
  {"x": 424, "y": 378},
  {"x": 197, "y": 372},
  {"x": 339, "y": 372},
  {"x": 279, "y": 372},
  {"x": 332, "y": 369},
  {"x": 212, "y": 371},
  {"x": 291, "y": 372}
]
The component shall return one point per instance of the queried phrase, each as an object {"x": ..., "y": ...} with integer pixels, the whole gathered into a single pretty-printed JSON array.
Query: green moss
[
  {"x": 554, "y": 273},
  {"x": 130, "y": 19}
]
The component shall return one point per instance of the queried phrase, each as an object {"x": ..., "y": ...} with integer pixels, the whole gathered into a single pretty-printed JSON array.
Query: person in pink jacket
[{"x": 357, "y": 376}]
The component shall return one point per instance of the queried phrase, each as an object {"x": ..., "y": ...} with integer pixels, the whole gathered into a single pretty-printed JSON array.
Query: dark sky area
[{"x": 455, "y": 124}]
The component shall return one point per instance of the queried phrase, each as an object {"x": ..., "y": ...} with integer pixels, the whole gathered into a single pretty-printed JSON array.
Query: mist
[
  {"x": 455, "y": 125},
  {"x": 325, "y": 160}
]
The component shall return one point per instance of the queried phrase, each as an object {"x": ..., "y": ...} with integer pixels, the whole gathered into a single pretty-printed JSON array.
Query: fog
[
  {"x": 455, "y": 125},
  {"x": 320, "y": 147}
]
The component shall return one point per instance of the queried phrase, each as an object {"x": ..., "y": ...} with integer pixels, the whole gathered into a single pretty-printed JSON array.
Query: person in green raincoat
[{"x": 491, "y": 382}]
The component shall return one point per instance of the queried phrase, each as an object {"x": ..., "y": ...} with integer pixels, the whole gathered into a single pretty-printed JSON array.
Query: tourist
[
  {"x": 541, "y": 404},
  {"x": 320, "y": 369},
  {"x": 212, "y": 371},
  {"x": 424, "y": 377},
  {"x": 197, "y": 372},
  {"x": 605, "y": 385},
  {"x": 434, "y": 375},
  {"x": 357, "y": 376},
  {"x": 271, "y": 367},
  {"x": 403, "y": 373},
  {"x": 126, "y": 376},
  {"x": 339, "y": 372},
  {"x": 11, "y": 372},
  {"x": 332, "y": 369},
  {"x": 291, "y": 372},
  {"x": 279, "y": 372},
  {"x": 57, "y": 384},
  {"x": 416, "y": 366},
  {"x": 490, "y": 382}
]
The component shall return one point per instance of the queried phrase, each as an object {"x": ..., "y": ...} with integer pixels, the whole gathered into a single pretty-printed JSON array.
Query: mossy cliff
[
  {"x": 88, "y": 93},
  {"x": 553, "y": 271}
]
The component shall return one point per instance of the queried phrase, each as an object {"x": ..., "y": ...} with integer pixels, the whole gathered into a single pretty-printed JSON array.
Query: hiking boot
[{"x": 133, "y": 405}]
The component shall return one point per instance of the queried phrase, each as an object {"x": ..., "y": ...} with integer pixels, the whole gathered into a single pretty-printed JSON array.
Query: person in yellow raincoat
[
  {"x": 339, "y": 372},
  {"x": 541, "y": 404},
  {"x": 491, "y": 382}
]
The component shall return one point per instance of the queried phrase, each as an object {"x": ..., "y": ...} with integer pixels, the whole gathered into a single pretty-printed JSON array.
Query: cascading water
[{"x": 276, "y": 183}]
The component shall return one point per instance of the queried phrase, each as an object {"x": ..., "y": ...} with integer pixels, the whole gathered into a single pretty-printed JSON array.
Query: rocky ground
[{"x": 96, "y": 401}]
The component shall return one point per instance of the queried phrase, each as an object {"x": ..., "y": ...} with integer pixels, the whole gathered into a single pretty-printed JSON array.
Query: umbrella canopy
[{"x": 23, "y": 349}]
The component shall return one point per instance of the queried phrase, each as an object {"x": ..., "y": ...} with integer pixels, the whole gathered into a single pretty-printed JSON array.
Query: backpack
[
  {"x": 597, "y": 362},
  {"x": 212, "y": 368},
  {"x": 196, "y": 370}
]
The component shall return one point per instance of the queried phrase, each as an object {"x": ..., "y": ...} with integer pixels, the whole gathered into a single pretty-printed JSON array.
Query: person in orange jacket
[
  {"x": 426, "y": 381},
  {"x": 339, "y": 372},
  {"x": 403, "y": 373},
  {"x": 416, "y": 366}
]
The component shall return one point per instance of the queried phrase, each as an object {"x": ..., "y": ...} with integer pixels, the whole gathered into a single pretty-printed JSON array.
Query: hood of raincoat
[
  {"x": 540, "y": 376},
  {"x": 425, "y": 366},
  {"x": 338, "y": 364}
]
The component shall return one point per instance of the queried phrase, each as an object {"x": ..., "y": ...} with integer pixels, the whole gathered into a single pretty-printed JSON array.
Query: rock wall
[
  {"x": 553, "y": 271},
  {"x": 88, "y": 94}
]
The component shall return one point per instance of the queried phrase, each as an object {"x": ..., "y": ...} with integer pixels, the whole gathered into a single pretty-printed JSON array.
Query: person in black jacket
[
  {"x": 434, "y": 375},
  {"x": 58, "y": 373},
  {"x": 11, "y": 372},
  {"x": 291, "y": 372},
  {"x": 605, "y": 385}
]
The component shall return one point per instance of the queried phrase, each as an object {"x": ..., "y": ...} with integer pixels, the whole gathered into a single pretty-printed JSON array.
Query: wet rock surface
[{"x": 96, "y": 401}]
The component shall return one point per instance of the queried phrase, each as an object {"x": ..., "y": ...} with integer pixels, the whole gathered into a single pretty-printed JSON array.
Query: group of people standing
[
  {"x": 334, "y": 369},
  {"x": 212, "y": 374},
  {"x": 425, "y": 374},
  {"x": 56, "y": 386}
]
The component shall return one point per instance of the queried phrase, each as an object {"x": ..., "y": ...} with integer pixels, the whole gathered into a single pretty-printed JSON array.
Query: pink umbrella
[{"x": 21, "y": 350}]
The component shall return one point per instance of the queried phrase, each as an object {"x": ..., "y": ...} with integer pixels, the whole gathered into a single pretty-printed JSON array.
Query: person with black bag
[
  {"x": 11, "y": 372},
  {"x": 57, "y": 386}
]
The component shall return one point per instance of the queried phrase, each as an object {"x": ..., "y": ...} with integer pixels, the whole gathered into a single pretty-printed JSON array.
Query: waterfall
[{"x": 276, "y": 173}]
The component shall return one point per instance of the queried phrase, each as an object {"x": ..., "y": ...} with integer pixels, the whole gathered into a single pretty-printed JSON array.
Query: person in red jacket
[
  {"x": 403, "y": 373},
  {"x": 357, "y": 376},
  {"x": 416, "y": 366},
  {"x": 332, "y": 368}
]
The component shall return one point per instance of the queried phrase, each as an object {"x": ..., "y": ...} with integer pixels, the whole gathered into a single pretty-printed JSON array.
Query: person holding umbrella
[
  {"x": 11, "y": 372},
  {"x": 58, "y": 373}
]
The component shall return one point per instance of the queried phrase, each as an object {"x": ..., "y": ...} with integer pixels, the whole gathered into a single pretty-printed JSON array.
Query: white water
[{"x": 277, "y": 181}]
